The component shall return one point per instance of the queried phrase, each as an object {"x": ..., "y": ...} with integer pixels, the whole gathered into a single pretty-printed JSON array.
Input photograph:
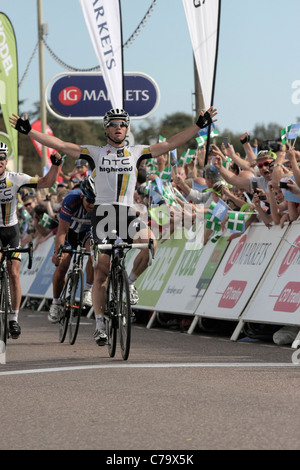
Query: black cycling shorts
[
  {"x": 10, "y": 236},
  {"x": 112, "y": 221},
  {"x": 74, "y": 239}
]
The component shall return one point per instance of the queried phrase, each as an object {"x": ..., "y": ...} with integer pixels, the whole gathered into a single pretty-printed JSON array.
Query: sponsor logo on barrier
[
  {"x": 291, "y": 258},
  {"x": 232, "y": 294},
  {"x": 235, "y": 254},
  {"x": 247, "y": 254},
  {"x": 289, "y": 298}
]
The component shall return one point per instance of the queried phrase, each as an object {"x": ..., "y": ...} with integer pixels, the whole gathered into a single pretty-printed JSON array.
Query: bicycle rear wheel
[
  {"x": 4, "y": 307},
  {"x": 65, "y": 310},
  {"x": 76, "y": 306},
  {"x": 124, "y": 313},
  {"x": 111, "y": 326}
]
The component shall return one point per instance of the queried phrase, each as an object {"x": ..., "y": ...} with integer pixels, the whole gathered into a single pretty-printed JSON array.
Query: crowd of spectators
[
  {"x": 263, "y": 185},
  {"x": 38, "y": 210}
]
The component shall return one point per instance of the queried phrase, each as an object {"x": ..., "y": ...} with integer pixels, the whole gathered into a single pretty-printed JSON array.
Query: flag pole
[
  {"x": 214, "y": 81},
  {"x": 42, "y": 81},
  {"x": 122, "y": 55}
]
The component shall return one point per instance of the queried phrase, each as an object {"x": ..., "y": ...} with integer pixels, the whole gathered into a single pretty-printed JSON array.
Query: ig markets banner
[{"x": 9, "y": 96}]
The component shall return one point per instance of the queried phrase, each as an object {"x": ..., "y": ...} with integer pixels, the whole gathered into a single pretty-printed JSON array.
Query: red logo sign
[
  {"x": 70, "y": 95},
  {"x": 235, "y": 254},
  {"x": 232, "y": 294},
  {"x": 289, "y": 257},
  {"x": 289, "y": 298}
]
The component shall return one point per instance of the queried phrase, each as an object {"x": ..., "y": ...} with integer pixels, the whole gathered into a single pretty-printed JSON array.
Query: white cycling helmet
[
  {"x": 3, "y": 148},
  {"x": 116, "y": 114}
]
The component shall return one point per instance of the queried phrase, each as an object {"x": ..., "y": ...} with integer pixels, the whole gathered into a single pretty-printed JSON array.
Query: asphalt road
[{"x": 177, "y": 392}]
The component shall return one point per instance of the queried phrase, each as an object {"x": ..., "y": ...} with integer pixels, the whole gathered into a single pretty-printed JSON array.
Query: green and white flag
[
  {"x": 214, "y": 133},
  {"x": 226, "y": 162},
  {"x": 187, "y": 156},
  {"x": 53, "y": 188},
  {"x": 236, "y": 221},
  {"x": 161, "y": 138},
  {"x": 48, "y": 222},
  {"x": 151, "y": 164},
  {"x": 216, "y": 236},
  {"x": 284, "y": 134},
  {"x": 168, "y": 195},
  {"x": 166, "y": 174},
  {"x": 212, "y": 222},
  {"x": 201, "y": 140}
]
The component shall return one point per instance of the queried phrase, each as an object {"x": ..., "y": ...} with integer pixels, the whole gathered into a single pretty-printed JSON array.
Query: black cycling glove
[
  {"x": 204, "y": 121},
  {"x": 23, "y": 126},
  {"x": 55, "y": 160},
  {"x": 245, "y": 140}
]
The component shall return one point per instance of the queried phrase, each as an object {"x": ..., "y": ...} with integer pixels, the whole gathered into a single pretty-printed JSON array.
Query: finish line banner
[
  {"x": 103, "y": 20},
  {"x": 9, "y": 95},
  {"x": 203, "y": 23}
]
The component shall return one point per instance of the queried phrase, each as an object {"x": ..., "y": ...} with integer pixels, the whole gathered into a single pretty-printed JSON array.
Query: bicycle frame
[
  {"x": 72, "y": 294},
  {"x": 5, "y": 297},
  {"x": 118, "y": 312}
]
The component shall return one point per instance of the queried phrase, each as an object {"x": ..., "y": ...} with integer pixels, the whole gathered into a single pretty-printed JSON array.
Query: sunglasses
[
  {"x": 2, "y": 158},
  {"x": 90, "y": 200},
  {"x": 267, "y": 164},
  {"x": 117, "y": 123},
  {"x": 27, "y": 204}
]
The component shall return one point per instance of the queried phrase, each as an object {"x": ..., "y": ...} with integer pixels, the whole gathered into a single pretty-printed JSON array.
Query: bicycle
[
  {"x": 118, "y": 312},
  {"x": 5, "y": 297},
  {"x": 71, "y": 297}
]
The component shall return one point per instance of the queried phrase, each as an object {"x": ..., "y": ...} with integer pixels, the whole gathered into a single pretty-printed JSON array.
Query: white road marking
[{"x": 149, "y": 366}]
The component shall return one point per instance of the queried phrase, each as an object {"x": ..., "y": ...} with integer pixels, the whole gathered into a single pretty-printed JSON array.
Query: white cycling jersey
[
  {"x": 115, "y": 171},
  {"x": 10, "y": 184}
]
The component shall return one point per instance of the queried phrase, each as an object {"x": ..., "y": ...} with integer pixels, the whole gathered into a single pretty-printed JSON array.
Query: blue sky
[{"x": 258, "y": 59}]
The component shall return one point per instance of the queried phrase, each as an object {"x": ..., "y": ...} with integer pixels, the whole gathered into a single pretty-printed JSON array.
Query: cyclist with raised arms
[
  {"x": 10, "y": 184},
  {"x": 115, "y": 167}
]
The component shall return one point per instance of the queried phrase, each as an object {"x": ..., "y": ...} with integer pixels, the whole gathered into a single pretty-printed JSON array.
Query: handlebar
[
  {"x": 125, "y": 246},
  {"x": 72, "y": 251},
  {"x": 7, "y": 249}
]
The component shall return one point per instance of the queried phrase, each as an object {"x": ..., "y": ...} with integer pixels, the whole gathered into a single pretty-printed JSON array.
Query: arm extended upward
[{"x": 23, "y": 126}]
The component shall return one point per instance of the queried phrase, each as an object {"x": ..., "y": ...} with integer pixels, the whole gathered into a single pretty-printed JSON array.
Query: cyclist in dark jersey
[{"x": 74, "y": 227}]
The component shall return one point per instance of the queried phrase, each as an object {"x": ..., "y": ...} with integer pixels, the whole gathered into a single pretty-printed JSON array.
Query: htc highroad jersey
[
  {"x": 10, "y": 184},
  {"x": 115, "y": 171}
]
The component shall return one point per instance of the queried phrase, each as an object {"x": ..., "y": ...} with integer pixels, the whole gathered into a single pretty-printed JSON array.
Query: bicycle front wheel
[
  {"x": 124, "y": 313},
  {"x": 4, "y": 306},
  {"x": 65, "y": 309},
  {"x": 111, "y": 323},
  {"x": 75, "y": 306}
]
